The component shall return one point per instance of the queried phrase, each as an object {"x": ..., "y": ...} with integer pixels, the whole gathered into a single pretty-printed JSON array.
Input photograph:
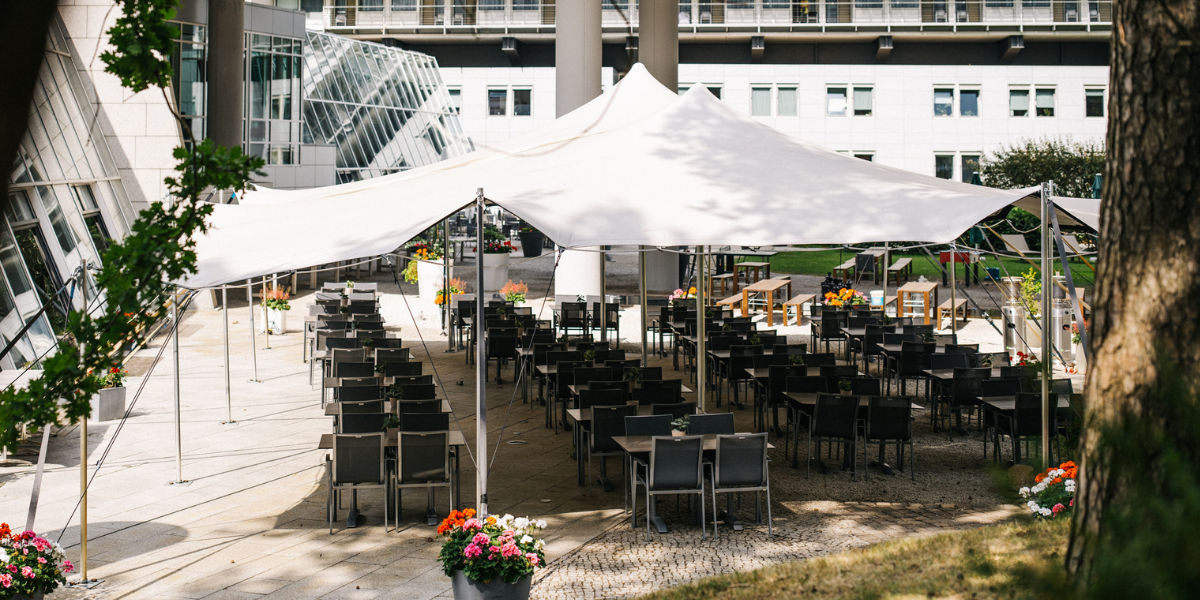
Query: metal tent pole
[
  {"x": 953, "y": 286},
  {"x": 225, "y": 318},
  {"x": 603, "y": 296},
  {"x": 83, "y": 450},
  {"x": 481, "y": 452},
  {"x": 645, "y": 304},
  {"x": 1047, "y": 357},
  {"x": 701, "y": 331},
  {"x": 253, "y": 341},
  {"x": 266, "y": 321},
  {"x": 175, "y": 375},
  {"x": 446, "y": 281},
  {"x": 887, "y": 262}
]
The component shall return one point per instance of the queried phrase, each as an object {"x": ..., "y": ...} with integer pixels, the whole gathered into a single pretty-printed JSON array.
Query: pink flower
[
  {"x": 532, "y": 558},
  {"x": 472, "y": 524},
  {"x": 12, "y": 568},
  {"x": 509, "y": 550},
  {"x": 472, "y": 551},
  {"x": 6, "y": 580},
  {"x": 494, "y": 549},
  {"x": 26, "y": 571},
  {"x": 482, "y": 539},
  {"x": 67, "y": 566},
  {"x": 1072, "y": 503},
  {"x": 1058, "y": 508},
  {"x": 41, "y": 544},
  {"x": 41, "y": 560}
]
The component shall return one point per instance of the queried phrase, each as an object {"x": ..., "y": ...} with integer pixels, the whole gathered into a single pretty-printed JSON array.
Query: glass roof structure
[{"x": 385, "y": 109}]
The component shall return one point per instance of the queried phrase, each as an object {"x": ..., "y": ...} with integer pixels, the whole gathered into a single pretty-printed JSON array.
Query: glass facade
[
  {"x": 273, "y": 121},
  {"x": 385, "y": 109},
  {"x": 189, "y": 86},
  {"x": 65, "y": 202}
]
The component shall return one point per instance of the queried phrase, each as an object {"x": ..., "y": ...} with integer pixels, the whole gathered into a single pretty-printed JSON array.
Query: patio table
[
  {"x": 999, "y": 406},
  {"x": 804, "y": 400},
  {"x": 767, "y": 287}
]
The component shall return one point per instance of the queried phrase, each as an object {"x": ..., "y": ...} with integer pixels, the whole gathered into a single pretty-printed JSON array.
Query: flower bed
[
  {"x": 29, "y": 563},
  {"x": 1053, "y": 495},
  {"x": 483, "y": 550}
]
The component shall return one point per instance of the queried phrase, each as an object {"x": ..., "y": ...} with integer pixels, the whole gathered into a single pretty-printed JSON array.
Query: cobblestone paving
[{"x": 620, "y": 563}]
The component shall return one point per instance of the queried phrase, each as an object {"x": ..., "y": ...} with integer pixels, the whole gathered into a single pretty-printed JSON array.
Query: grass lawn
[
  {"x": 1000, "y": 561},
  {"x": 823, "y": 262}
]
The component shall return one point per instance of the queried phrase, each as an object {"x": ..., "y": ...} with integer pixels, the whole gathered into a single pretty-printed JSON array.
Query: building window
[
  {"x": 863, "y": 101},
  {"x": 943, "y": 166},
  {"x": 410, "y": 5},
  {"x": 968, "y": 103},
  {"x": 522, "y": 102},
  {"x": 273, "y": 123},
  {"x": 715, "y": 91},
  {"x": 1093, "y": 100},
  {"x": 760, "y": 102},
  {"x": 943, "y": 102},
  {"x": 787, "y": 102},
  {"x": 970, "y": 166},
  {"x": 867, "y": 156},
  {"x": 90, "y": 210},
  {"x": 189, "y": 65},
  {"x": 1018, "y": 103},
  {"x": 835, "y": 100},
  {"x": 1044, "y": 102},
  {"x": 497, "y": 103},
  {"x": 455, "y": 100}
]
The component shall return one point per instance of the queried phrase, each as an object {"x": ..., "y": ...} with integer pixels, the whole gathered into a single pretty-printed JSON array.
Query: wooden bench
[
  {"x": 723, "y": 278},
  {"x": 845, "y": 268},
  {"x": 798, "y": 301},
  {"x": 734, "y": 302},
  {"x": 902, "y": 265},
  {"x": 944, "y": 307}
]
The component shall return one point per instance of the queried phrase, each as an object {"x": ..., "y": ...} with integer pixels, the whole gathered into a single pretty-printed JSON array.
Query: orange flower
[
  {"x": 468, "y": 513},
  {"x": 1039, "y": 477}
]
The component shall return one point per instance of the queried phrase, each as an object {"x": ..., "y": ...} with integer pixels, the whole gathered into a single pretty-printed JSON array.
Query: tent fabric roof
[
  {"x": 1072, "y": 212},
  {"x": 638, "y": 165}
]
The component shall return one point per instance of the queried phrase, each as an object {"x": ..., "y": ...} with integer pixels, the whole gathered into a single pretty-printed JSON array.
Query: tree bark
[
  {"x": 23, "y": 46},
  {"x": 1148, "y": 277}
]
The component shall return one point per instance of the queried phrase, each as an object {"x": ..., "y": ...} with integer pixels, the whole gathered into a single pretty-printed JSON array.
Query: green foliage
[
  {"x": 1031, "y": 292},
  {"x": 142, "y": 46},
  {"x": 1070, "y": 165}
]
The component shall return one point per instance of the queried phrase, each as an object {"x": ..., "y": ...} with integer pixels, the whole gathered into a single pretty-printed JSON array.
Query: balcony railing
[{"x": 695, "y": 15}]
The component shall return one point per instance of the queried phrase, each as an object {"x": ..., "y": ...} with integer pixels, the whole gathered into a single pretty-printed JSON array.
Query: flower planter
[
  {"x": 532, "y": 242},
  {"x": 429, "y": 279},
  {"x": 277, "y": 321},
  {"x": 495, "y": 271},
  {"x": 38, "y": 595},
  {"x": 496, "y": 589},
  {"x": 109, "y": 404},
  {"x": 676, "y": 433}
]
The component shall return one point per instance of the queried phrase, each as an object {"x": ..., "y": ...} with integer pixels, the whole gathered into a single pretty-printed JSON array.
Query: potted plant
[
  {"x": 633, "y": 375},
  {"x": 532, "y": 241},
  {"x": 367, "y": 342},
  {"x": 491, "y": 558},
  {"x": 350, "y": 285},
  {"x": 30, "y": 565},
  {"x": 755, "y": 340},
  {"x": 845, "y": 298},
  {"x": 679, "y": 426},
  {"x": 276, "y": 301},
  {"x": 391, "y": 424},
  {"x": 1054, "y": 492},
  {"x": 514, "y": 292},
  {"x": 445, "y": 293},
  {"x": 796, "y": 359},
  {"x": 426, "y": 270},
  {"x": 109, "y": 403},
  {"x": 589, "y": 355},
  {"x": 495, "y": 263},
  {"x": 844, "y": 386},
  {"x": 679, "y": 298}
]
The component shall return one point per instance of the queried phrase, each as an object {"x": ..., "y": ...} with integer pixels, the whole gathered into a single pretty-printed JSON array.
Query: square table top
[
  {"x": 456, "y": 439},
  {"x": 752, "y": 264},
  {"x": 1009, "y": 403},
  {"x": 638, "y": 444},
  {"x": 918, "y": 287},
  {"x": 767, "y": 285}
]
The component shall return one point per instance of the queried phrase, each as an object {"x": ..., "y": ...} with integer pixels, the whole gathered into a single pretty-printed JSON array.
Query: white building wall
[
  {"x": 140, "y": 129},
  {"x": 902, "y": 132}
]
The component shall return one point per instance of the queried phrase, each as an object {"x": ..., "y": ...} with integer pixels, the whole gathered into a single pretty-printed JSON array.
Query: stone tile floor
[{"x": 251, "y": 521}]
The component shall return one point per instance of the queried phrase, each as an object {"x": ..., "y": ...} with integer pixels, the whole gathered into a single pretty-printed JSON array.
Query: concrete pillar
[
  {"x": 658, "y": 50},
  {"x": 577, "y": 53},
  {"x": 658, "y": 40},
  {"x": 226, "y": 37}
]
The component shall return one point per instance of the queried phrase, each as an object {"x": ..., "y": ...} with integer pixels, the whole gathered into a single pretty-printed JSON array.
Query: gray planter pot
[
  {"x": 38, "y": 595},
  {"x": 109, "y": 404},
  {"x": 465, "y": 589}
]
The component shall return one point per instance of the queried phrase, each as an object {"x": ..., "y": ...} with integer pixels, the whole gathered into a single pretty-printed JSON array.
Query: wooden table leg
[
  {"x": 770, "y": 308},
  {"x": 745, "y": 303}
]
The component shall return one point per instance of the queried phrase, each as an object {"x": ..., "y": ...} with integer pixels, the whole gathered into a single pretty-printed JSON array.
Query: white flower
[
  {"x": 1024, "y": 492},
  {"x": 526, "y": 539},
  {"x": 3, "y": 556},
  {"x": 541, "y": 524},
  {"x": 1045, "y": 512},
  {"x": 540, "y": 544},
  {"x": 521, "y": 523},
  {"x": 1032, "y": 505}
]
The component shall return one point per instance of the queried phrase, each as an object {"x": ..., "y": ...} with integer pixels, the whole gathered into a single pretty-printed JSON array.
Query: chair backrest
[
  {"x": 789, "y": 349},
  {"x": 741, "y": 460},
  {"x": 648, "y": 425},
  {"x": 835, "y": 416},
  {"x": 836, "y": 373},
  {"x": 361, "y": 422},
  {"x": 866, "y": 386},
  {"x": 358, "y": 458},
  {"x": 898, "y": 338},
  {"x": 967, "y": 385},
  {"x": 566, "y": 376},
  {"x": 424, "y": 457},
  {"x": 341, "y": 343},
  {"x": 861, "y": 322},
  {"x": 647, "y": 396},
  {"x": 676, "y": 463},
  {"x": 807, "y": 384},
  {"x": 608, "y": 421},
  {"x": 945, "y": 339},
  {"x": 819, "y": 359},
  {"x": 553, "y": 357},
  {"x": 334, "y": 325},
  {"x": 386, "y": 343},
  {"x": 391, "y": 355},
  {"x": 648, "y": 372},
  {"x": 763, "y": 361},
  {"x": 720, "y": 341},
  {"x": 586, "y": 375},
  {"x": 1024, "y": 372},
  {"x": 913, "y": 362},
  {"x": 939, "y": 360},
  {"x": 338, "y": 356},
  {"x": 354, "y": 369},
  {"x": 404, "y": 369},
  {"x": 920, "y": 330},
  {"x": 360, "y": 407},
  {"x": 962, "y": 348},
  {"x": 418, "y": 406},
  {"x": 438, "y": 421},
  {"x": 711, "y": 423},
  {"x": 502, "y": 343},
  {"x": 999, "y": 359},
  {"x": 360, "y": 393},
  {"x": 541, "y": 352},
  {"x": 619, "y": 385},
  {"x": 675, "y": 385},
  {"x": 889, "y": 419},
  {"x": 603, "y": 356},
  {"x": 769, "y": 339},
  {"x": 610, "y": 397},
  {"x": 403, "y": 380},
  {"x": 1001, "y": 386},
  {"x": 676, "y": 410},
  {"x": 362, "y": 307},
  {"x": 418, "y": 391},
  {"x": 1028, "y": 414},
  {"x": 1062, "y": 386}
]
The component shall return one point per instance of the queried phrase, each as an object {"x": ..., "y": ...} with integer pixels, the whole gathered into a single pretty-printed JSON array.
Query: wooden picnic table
[
  {"x": 927, "y": 291},
  {"x": 767, "y": 287},
  {"x": 758, "y": 267}
]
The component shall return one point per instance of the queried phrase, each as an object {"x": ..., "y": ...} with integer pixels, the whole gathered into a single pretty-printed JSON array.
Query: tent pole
[
  {"x": 481, "y": 471},
  {"x": 175, "y": 375},
  {"x": 645, "y": 304},
  {"x": 266, "y": 321},
  {"x": 603, "y": 295},
  {"x": 1047, "y": 357},
  {"x": 953, "y": 286},
  {"x": 887, "y": 262},
  {"x": 225, "y": 319},
  {"x": 446, "y": 280},
  {"x": 253, "y": 341},
  {"x": 83, "y": 450},
  {"x": 701, "y": 333}
]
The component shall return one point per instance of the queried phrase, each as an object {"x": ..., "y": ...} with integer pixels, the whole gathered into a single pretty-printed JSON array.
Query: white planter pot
[
  {"x": 429, "y": 279},
  {"x": 277, "y": 321},
  {"x": 109, "y": 404},
  {"x": 495, "y": 271}
]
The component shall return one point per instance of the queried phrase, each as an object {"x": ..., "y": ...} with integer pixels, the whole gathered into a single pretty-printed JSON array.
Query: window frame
[
  {"x": 769, "y": 89},
  {"x": 1103, "y": 89},
  {"x": 1037, "y": 89},
  {"x": 853, "y": 101},
  {"x": 1017, "y": 90},
  {"x": 845, "y": 112},
  {"x": 953, "y": 95},
  {"x": 504, "y": 112},
  {"x": 970, "y": 89},
  {"x": 952, "y": 156},
  {"x": 513, "y": 94}
]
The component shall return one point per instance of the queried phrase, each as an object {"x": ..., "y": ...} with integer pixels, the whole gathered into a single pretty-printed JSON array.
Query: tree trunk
[
  {"x": 23, "y": 46},
  {"x": 1148, "y": 278}
]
